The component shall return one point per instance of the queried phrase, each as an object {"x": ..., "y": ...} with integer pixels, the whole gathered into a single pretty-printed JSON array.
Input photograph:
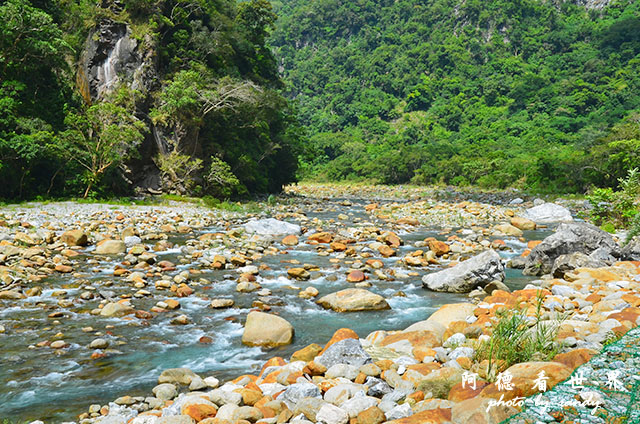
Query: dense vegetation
[
  {"x": 213, "y": 96},
  {"x": 534, "y": 94}
]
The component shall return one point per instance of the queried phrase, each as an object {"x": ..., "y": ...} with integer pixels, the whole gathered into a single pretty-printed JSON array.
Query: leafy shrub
[
  {"x": 516, "y": 339},
  {"x": 612, "y": 208}
]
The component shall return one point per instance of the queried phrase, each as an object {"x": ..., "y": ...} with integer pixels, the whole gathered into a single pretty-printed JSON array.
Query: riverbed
[{"x": 38, "y": 382}]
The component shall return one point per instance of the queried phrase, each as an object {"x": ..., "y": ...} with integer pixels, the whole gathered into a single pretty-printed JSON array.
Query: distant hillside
[{"x": 528, "y": 93}]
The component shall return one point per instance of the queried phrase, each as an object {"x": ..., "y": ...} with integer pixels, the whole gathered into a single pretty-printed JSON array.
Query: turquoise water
[{"x": 35, "y": 383}]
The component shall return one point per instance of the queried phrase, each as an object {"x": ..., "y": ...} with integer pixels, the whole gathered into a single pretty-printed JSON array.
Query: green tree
[{"x": 101, "y": 137}]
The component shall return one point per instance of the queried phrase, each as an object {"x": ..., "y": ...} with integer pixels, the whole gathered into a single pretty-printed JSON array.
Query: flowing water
[{"x": 34, "y": 383}]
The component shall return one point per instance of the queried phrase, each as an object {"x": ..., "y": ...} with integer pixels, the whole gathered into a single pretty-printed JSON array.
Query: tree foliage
[{"x": 494, "y": 93}]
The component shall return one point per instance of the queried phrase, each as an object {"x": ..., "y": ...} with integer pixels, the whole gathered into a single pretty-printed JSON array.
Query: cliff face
[
  {"x": 594, "y": 4},
  {"x": 112, "y": 57}
]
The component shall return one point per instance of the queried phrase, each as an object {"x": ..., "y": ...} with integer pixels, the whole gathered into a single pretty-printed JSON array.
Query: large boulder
[
  {"x": 350, "y": 300},
  {"x": 271, "y": 227},
  {"x": 347, "y": 351},
  {"x": 570, "y": 238},
  {"x": 548, "y": 212},
  {"x": 268, "y": 330},
  {"x": 477, "y": 271}
]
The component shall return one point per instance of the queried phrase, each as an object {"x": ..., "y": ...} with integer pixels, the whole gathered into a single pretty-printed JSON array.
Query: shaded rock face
[
  {"x": 631, "y": 250},
  {"x": 593, "y": 4},
  {"x": 467, "y": 275},
  {"x": 570, "y": 238},
  {"x": 111, "y": 57}
]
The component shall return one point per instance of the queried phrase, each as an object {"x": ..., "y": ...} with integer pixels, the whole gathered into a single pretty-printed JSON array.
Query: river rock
[
  {"x": 110, "y": 247},
  {"x": 478, "y": 410},
  {"x": 331, "y": 414},
  {"x": 271, "y": 227},
  {"x": 440, "y": 319},
  {"x": 467, "y": 275},
  {"x": 221, "y": 303},
  {"x": 99, "y": 344},
  {"x": 347, "y": 351},
  {"x": 11, "y": 295},
  {"x": 569, "y": 238},
  {"x": 268, "y": 330},
  {"x": 565, "y": 263},
  {"x": 116, "y": 309},
  {"x": 165, "y": 391},
  {"x": 177, "y": 376},
  {"x": 296, "y": 392},
  {"x": 548, "y": 212},
  {"x": 309, "y": 407},
  {"x": 350, "y": 300},
  {"x": 508, "y": 230},
  {"x": 631, "y": 250},
  {"x": 523, "y": 224},
  {"x": 524, "y": 376},
  {"x": 175, "y": 419},
  {"x": 439, "y": 382},
  {"x": 74, "y": 238}
]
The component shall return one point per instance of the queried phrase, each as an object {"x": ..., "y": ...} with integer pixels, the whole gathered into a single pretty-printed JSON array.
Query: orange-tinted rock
[
  {"x": 478, "y": 410},
  {"x": 373, "y": 415},
  {"x": 458, "y": 393},
  {"x": 524, "y": 377},
  {"x": 631, "y": 299},
  {"x": 307, "y": 353},
  {"x": 417, "y": 396},
  {"x": 430, "y": 416},
  {"x": 323, "y": 237},
  {"x": 439, "y": 247},
  {"x": 250, "y": 397},
  {"x": 424, "y": 369},
  {"x": 276, "y": 361},
  {"x": 386, "y": 251},
  {"x": 184, "y": 290},
  {"x": 628, "y": 314},
  {"x": 313, "y": 368},
  {"x": 64, "y": 269},
  {"x": 408, "y": 221},
  {"x": 341, "y": 334},
  {"x": 338, "y": 247},
  {"x": 391, "y": 239},
  {"x": 356, "y": 276},
  {"x": 172, "y": 304},
  {"x": 199, "y": 411},
  {"x": 290, "y": 240},
  {"x": 416, "y": 338},
  {"x": 533, "y": 243}
]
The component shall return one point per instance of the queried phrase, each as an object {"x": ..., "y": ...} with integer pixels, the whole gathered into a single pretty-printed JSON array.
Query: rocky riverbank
[{"x": 147, "y": 274}]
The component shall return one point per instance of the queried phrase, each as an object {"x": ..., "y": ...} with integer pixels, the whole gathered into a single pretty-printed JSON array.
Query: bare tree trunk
[{"x": 86, "y": 192}]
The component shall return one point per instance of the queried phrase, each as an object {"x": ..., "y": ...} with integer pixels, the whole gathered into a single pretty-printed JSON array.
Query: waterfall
[{"x": 107, "y": 75}]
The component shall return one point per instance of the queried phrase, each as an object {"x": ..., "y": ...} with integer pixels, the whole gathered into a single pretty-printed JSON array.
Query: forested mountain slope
[
  {"x": 527, "y": 93},
  {"x": 116, "y": 96}
]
